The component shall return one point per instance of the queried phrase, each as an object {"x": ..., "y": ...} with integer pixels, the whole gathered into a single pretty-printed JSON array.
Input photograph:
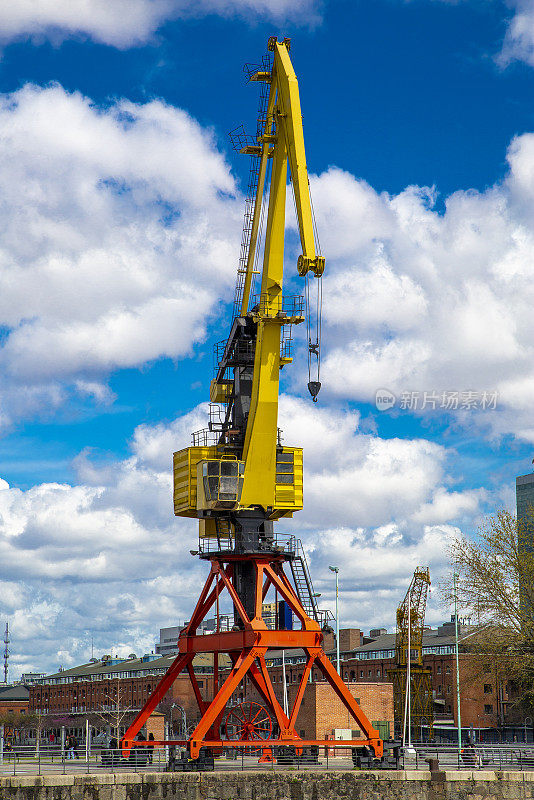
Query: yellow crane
[
  {"x": 409, "y": 658},
  {"x": 238, "y": 477}
]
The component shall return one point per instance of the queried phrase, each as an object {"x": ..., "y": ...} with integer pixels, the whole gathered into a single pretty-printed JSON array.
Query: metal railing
[
  {"x": 226, "y": 542},
  {"x": 205, "y": 438},
  {"x": 47, "y": 759},
  {"x": 471, "y": 757},
  {"x": 55, "y": 760},
  {"x": 290, "y": 305}
]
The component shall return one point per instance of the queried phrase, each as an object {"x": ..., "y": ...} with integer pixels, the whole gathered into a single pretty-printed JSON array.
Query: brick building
[
  {"x": 484, "y": 700},
  {"x": 14, "y": 699},
  {"x": 96, "y": 686},
  {"x": 322, "y": 715},
  {"x": 368, "y": 660}
]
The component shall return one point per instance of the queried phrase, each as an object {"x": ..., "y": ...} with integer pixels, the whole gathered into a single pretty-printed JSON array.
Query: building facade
[
  {"x": 104, "y": 685},
  {"x": 14, "y": 699},
  {"x": 366, "y": 662},
  {"x": 369, "y": 660},
  {"x": 524, "y": 492},
  {"x": 322, "y": 715}
]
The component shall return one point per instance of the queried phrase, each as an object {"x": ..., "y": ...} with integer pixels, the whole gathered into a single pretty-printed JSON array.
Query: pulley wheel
[{"x": 249, "y": 722}]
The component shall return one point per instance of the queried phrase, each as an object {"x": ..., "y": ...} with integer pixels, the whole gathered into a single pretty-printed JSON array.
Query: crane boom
[{"x": 283, "y": 129}]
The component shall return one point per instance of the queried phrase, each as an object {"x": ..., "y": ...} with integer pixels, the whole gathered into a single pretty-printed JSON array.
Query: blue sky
[{"x": 121, "y": 204}]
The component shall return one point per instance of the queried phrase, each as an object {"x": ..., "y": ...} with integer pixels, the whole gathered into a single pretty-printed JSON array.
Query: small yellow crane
[{"x": 409, "y": 661}]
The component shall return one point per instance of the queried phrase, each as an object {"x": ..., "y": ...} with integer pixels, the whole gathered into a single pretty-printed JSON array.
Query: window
[
  {"x": 488, "y": 688},
  {"x": 448, "y": 671},
  {"x": 361, "y": 673},
  {"x": 449, "y": 689},
  {"x": 378, "y": 673},
  {"x": 488, "y": 708},
  {"x": 370, "y": 674},
  {"x": 449, "y": 709},
  {"x": 439, "y": 689},
  {"x": 439, "y": 669}
]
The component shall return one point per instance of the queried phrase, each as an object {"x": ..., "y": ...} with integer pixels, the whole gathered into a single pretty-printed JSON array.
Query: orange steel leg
[{"x": 155, "y": 698}]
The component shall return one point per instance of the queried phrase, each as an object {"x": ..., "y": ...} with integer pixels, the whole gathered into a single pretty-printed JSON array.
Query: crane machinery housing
[
  {"x": 410, "y": 628},
  {"x": 238, "y": 478}
]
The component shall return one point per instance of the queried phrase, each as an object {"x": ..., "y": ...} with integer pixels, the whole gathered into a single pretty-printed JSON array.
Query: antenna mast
[{"x": 6, "y": 651}]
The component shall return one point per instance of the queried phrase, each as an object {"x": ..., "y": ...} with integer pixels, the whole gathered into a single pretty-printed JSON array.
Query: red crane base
[{"x": 247, "y": 649}]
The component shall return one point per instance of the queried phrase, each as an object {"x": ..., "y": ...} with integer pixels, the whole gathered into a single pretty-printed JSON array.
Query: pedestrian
[
  {"x": 470, "y": 755},
  {"x": 72, "y": 748},
  {"x": 150, "y": 748}
]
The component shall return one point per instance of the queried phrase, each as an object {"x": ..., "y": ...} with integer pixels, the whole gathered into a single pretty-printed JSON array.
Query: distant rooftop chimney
[{"x": 374, "y": 633}]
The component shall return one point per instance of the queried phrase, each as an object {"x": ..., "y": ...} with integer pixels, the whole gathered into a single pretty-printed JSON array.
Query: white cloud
[
  {"x": 127, "y": 23},
  {"x": 365, "y": 478},
  {"x": 421, "y": 300},
  {"x": 518, "y": 43},
  {"x": 106, "y": 558},
  {"x": 119, "y": 231}
]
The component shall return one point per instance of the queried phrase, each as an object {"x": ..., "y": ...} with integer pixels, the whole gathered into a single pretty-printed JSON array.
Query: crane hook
[{"x": 314, "y": 388}]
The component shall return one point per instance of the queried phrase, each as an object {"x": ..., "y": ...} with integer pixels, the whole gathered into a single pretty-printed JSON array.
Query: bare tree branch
[{"x": 495, "y": 585}]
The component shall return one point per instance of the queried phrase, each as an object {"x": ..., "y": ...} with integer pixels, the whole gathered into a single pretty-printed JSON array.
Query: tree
[
  {"x": 117, "y": 713},
  {"x": 495, "y": 585}
]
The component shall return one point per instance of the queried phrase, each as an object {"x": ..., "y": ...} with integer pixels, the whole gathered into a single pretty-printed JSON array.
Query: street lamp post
[
  {"x": 336, "y": 571},
  {"x": 529, "y": 720},
  {"x": 459, "y": 716}
]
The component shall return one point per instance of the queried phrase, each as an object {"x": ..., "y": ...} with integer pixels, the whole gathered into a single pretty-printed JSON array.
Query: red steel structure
[
  {"x": 247, "y": 649},
  {"x": 237, "y": 478}
]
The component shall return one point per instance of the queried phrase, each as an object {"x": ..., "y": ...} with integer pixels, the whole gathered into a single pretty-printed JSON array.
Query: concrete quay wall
[{"x": 398, "y": 785}]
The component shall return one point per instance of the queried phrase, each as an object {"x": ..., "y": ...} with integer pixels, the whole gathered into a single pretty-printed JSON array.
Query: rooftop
[
  {"x": 18, "y": 692},
  {"x": 126, "y": 668},
  {"x": 434, "y": 641}
]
